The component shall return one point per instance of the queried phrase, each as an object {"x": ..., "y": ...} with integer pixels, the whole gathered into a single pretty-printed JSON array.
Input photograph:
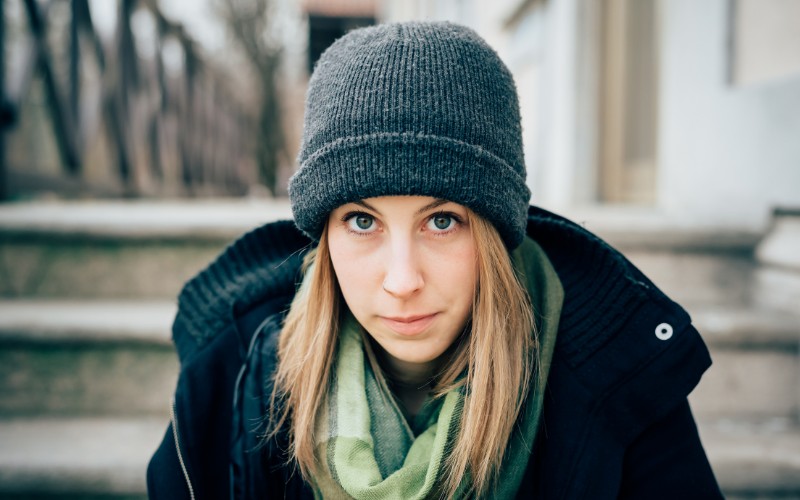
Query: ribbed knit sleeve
[{"x": 261, "y": 265}]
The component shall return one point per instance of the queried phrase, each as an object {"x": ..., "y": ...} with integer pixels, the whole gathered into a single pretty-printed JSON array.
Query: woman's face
[{"x": 406, "y": 266}]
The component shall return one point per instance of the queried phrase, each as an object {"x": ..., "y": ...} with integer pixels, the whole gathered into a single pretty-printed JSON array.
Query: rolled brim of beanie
[{"x": 389, "y": 164}]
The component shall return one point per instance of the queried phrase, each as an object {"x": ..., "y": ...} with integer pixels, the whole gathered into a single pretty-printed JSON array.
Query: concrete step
[
  {"x": 699, "y": 276},
  {"x": 778, "y": 254},
  {"x": 118, "y": 249},
  {"x": 75, "y": 267},
  {"x": 758, "y": 328},
  {"x": 77, "y": 457},
  {"x": 779, "y": 247},
  {"x": 209, "y": 218},
  {"x": 777, "y": 287},
  {"x": 754, "y": 459},
  {"x": 756, "y": 364},
  {"x": 693, "y": 260},
  {"x": 89, "y": 457},
  {"x": 78, "y": 358}
]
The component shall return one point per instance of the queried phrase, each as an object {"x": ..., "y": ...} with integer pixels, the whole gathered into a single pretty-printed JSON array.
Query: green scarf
[{"x": 367, "y": 448}]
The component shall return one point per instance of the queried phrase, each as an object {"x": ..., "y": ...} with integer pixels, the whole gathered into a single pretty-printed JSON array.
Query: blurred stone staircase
[{"x": 87, "y": 296}]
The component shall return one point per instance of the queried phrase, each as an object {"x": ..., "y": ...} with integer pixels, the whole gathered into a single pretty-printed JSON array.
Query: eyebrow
[
  {"x": 366, "y": 205},
  {"x": 430, "y": 206}
]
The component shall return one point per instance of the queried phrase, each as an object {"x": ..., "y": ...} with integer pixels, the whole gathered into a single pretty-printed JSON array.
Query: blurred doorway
[
  {"x": 330, "y": 19},
  {"x": 628, "y": 119}
]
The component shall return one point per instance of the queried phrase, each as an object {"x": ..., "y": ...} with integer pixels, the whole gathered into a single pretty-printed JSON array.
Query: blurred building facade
[{"x": 689, "y": 108}]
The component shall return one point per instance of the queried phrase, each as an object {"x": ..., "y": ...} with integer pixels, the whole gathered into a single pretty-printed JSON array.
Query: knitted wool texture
[{"x": 412, "y": 109}]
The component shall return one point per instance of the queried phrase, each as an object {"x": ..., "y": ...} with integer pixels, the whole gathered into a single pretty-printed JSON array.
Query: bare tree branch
[{"x": 251, "y": 25}]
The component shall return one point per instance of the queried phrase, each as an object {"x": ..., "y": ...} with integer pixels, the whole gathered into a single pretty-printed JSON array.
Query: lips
[{"x": 409, "y": 325}]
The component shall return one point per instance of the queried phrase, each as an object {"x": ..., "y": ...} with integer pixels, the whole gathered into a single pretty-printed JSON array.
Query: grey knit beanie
[{"x": 412, "y": 109}]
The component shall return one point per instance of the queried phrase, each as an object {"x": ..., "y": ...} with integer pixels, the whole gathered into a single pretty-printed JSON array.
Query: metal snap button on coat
[{"x": 664, "y": 331}]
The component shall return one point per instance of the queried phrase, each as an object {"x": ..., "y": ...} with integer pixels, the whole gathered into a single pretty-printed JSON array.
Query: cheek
[
  {"x": 456, "y": 272},
  {"x": 467, "y": 285},
  {"x": 352, "y": 273}
]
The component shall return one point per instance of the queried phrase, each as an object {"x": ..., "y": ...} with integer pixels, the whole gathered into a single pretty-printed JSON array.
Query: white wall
[
  {"x": 554, "y": 175},
  {"x": 767, "y": 41},
  {"x": 727, "y": 154}
]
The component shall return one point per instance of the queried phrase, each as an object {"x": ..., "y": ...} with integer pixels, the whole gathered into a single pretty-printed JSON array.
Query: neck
[
  {"x": 407, "y": 375},
  {"x": 409, "y": 382}
]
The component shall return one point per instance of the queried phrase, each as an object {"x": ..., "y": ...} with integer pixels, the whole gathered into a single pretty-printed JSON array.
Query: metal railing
[{"x": 167, "y": 116}]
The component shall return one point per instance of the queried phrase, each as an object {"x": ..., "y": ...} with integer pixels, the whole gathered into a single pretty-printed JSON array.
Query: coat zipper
[{"x": 173, "y": 416}]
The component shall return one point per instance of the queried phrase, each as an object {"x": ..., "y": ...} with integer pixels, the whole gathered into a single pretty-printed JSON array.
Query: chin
[{"x": 413, "y": 355}]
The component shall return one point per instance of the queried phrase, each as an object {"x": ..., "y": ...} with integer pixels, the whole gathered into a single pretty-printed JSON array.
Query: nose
[{"x": 403, "y": 276}]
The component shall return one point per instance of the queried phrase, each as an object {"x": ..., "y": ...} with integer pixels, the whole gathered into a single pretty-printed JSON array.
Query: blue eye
[
  {"x": 441, "y": 222},
  {"x": 361, "y": 223}
]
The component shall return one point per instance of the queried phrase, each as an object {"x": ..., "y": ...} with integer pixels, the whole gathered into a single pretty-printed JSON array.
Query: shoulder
[
  {"x": 625, "y": 359},
  {"x": 624, "y": 343},
  {"x": 230, "y": 309},
  {"x": 257, "y": 271}
]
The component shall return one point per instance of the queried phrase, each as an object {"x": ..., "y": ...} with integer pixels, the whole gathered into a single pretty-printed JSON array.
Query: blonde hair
[{"x": 497, "y": 355}]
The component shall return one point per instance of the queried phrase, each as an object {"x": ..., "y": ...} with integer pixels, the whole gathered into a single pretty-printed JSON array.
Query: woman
[{"x": 445, "y": 340}]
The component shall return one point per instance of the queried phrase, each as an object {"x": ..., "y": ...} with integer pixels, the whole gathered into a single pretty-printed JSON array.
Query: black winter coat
[{"x": 616, "y": 421}]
